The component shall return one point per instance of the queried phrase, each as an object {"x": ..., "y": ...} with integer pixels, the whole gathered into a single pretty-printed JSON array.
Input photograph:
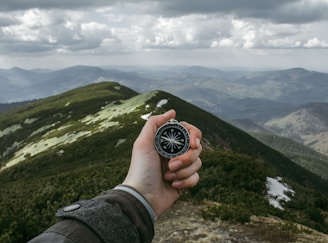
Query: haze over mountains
[
  {"x": 290, "y": 102},
  {"x": 295, "y": 86}
]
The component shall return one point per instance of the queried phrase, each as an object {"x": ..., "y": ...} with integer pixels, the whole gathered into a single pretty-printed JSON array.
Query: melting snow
[
  {"x": 15, "y": 127},
  {"x": 42, "y": 129},
  {"x": 277, "y": 192},
  {"x": 95, "y": 123},
  {"x": 30, "y": 120},
  {"x": 33, "y": 149},
  {"x": 61, "y": 152},
  {"x": 119, "y": 142},
  {"x": 10, "y": 130},
  {"x": 64, "y": 127},
  {"x": 161, "y": 103},
  {"x": 146, "y": 116},
  {"x": 113, "y": 110},
  {"x": 13, "y": 147}
]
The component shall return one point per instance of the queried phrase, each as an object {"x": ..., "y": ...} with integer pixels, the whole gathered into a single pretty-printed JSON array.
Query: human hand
[{"x": 146, "y": 175}]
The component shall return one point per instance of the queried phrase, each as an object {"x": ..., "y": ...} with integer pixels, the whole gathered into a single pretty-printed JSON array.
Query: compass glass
[{"x": 172, "y": 139}]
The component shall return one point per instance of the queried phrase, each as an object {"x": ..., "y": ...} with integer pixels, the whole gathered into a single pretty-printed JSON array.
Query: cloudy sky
[{"x": 253, "y": 34}]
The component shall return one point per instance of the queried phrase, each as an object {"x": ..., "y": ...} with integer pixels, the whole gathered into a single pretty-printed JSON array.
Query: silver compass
[{"x": 172, "y": 139}]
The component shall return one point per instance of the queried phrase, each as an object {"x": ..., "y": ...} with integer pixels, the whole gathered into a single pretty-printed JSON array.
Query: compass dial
[{"x": 172, "y": 139}]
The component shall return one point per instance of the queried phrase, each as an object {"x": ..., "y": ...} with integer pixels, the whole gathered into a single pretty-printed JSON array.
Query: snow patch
[
  {"x": 161, "y": 103},
  {"x": 33, "y": 149},
  {"x": 119, "y": 142},
  {"x": 113, "y": 110},
  {"x": 61, "y": 152},
  {"x": 277, "y": 192},
  {"x": 16, "y": 145},
  {"x": 10, "y": 130},
  {"x": 64, "y": 127},
  {"x": 30, "y": 120},
  {"x": 146, "y": 116},
  {"x": 95, "y": 123},
  {"x": 158, "y": 105},
  {"x": 42, "y": 129}
]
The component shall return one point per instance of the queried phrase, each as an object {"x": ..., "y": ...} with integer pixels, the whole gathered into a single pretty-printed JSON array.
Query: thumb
[{"x": 153, "y": 123}]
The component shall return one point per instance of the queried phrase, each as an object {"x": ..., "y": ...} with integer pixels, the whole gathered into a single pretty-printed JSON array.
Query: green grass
[{"x": 307, "y": 158}]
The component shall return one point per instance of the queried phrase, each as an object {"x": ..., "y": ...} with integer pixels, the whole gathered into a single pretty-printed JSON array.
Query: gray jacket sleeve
[{"x": 115, "y": 216}]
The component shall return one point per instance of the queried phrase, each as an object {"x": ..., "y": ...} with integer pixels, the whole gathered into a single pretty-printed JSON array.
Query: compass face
[{"x": 172, "y": 139}]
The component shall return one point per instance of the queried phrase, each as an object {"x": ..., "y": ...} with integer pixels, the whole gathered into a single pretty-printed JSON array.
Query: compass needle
[{"x": 172, "y": 139}]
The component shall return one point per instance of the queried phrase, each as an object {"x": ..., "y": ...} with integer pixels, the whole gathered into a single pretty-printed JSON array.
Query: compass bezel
[{"x": 175, "y": 128}]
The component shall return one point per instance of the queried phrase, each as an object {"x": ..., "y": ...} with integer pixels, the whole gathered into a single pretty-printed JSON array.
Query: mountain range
[
  {"x": 293, "y": 86},
  {"x": 74, "y": 145},
  {"x": 288, "y": 102}
]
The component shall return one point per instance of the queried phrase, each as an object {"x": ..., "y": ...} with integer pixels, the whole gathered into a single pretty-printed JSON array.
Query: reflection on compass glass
[{"x": 172, "y": 139}]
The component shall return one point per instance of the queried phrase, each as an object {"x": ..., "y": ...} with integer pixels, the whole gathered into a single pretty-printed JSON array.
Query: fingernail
[{"x": 174, "y": 165}]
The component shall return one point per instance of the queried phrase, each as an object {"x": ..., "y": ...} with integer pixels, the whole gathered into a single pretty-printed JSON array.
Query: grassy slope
[
  {"x": 300, "y": 154},
  {"x": 235, "y": 164}
]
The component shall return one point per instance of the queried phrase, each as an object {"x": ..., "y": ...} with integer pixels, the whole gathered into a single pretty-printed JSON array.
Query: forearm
[{"x": 114, "y": 216}]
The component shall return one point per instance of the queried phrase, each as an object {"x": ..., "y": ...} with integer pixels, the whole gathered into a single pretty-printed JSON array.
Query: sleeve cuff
[
  {"x": 140, "y": 197},
  {"x": 106, "y": 220},
  {"x": 105, "y": 215}
]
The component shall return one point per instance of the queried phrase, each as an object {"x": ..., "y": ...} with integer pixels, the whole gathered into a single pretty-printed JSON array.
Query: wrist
[{"x": 140, "y": 197}]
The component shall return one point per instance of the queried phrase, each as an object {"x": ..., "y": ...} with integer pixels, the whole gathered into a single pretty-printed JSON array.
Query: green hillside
[
  {"x": 299, "y": 153},
  {"x": 74, "y": 145}
]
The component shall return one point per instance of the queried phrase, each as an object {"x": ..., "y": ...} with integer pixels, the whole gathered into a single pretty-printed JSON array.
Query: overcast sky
[{"x": 253, "y": 34}]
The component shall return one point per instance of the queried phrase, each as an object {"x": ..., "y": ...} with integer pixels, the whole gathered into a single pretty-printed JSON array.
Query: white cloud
[
  {"x": 222, "y": 43},
  {"x": 316, "y": 43},
  {"x": 35, "y": 18},
  {"x": 134, "y": 28}
]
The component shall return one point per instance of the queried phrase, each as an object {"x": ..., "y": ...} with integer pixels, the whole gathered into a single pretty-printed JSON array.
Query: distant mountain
[
  {"x": 211, "y": 72},
  {"x": 296, "y": 86},
  {"x": 258, "y": 110},
  {"x": 257, "y": 96},
  {"x": 19, "y": 77},
  {"x": 248, "y": 125},
  {"x": 21, "y": 85},
  {"x": 308, "y": 125},
  {"x": 9, "y": 106},
  {"x": 74, "y": 145},
  {"x": 300, "y": 154}
]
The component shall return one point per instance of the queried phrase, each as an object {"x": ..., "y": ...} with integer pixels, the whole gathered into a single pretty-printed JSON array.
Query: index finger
[{"x": 195, "y": 135}]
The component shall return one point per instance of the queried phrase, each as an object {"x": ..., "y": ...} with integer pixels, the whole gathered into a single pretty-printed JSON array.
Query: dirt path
[{"x": 183, "y": 223}]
